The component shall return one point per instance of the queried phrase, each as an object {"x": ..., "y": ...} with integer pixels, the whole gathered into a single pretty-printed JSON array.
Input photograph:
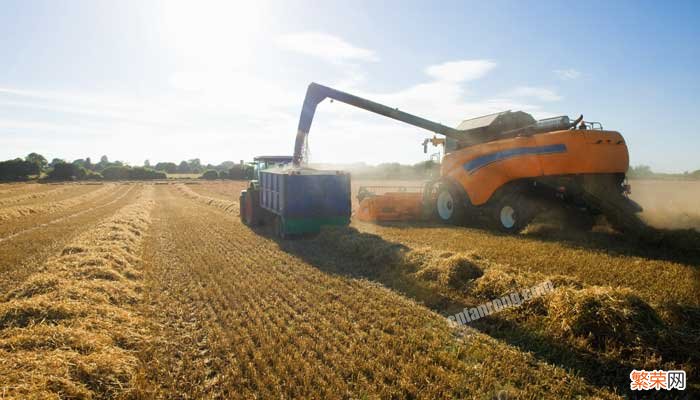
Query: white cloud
[
  {"x": 245, "y": 115},
  {"x": 460, "y": 71},
  {"x": 78, "y": 124},
  {"x": 567, "y": 74},
  {"x": 328, "y": 47},
  {"x": 541, "y": 94}
]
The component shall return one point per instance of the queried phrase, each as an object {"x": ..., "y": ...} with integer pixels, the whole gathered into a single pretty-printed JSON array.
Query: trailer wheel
[
  {"x": 448, "y": 205},
  {"x": 512, "y": 213}
]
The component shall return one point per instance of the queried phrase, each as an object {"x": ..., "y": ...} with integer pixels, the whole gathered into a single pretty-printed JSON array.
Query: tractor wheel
[
  {"x": 241, "y": 210},
  {"x": 251, "y": 213},
  {"x": 512, "y": 213},
  {"x": 280, "y": 229},
  {"x": 448, "y": 206}
]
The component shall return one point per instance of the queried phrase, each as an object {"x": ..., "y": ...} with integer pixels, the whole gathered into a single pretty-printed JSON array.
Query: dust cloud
[{"x": 668, "y": 204}]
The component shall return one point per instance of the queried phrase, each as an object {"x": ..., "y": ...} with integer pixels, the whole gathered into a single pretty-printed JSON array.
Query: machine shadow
[
  {"x": 674, "y": 245},
  {"x": 381, "y": 262}
]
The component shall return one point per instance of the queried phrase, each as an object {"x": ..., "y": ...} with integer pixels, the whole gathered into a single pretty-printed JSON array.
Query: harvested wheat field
[{"x": 140, "y": 291}]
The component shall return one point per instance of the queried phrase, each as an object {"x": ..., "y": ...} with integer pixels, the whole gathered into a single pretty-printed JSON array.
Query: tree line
[
  {"x": 645, "y": 172},
  {"x": 36, "y": 166}
]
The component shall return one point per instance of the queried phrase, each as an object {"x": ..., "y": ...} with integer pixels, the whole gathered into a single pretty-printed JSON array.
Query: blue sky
[{"x": 222, "y": 81}]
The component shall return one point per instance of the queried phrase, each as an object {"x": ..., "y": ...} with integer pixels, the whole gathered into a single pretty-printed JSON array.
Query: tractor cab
[
  {"x": 262, "y": 163},
  {"x": 250, "y": 197}
]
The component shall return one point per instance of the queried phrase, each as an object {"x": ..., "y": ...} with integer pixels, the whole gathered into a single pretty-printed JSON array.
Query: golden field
[{"x": 156, "y": 290}]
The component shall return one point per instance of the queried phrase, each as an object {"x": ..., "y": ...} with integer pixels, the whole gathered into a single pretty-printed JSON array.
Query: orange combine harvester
[{"x": 506, "y": 167}]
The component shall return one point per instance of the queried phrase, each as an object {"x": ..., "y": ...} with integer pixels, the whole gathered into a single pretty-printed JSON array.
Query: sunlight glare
[{"x": 210, "y": 37}]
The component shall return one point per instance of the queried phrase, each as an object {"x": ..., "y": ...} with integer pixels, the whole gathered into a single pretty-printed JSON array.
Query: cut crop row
[
  {"x": 49, "y": 206},
  {"x": 70, "y": 330},
  {"x": 247, "y": 317},
  {"x": 24, "y": 197},
  {"x": 226, "y": 205}
]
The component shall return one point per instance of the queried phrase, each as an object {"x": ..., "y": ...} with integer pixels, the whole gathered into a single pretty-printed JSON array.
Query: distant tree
[
  {"x": 225, "y": 166},
  {"x": 56, "y": 161},
  {"x": 168, "y": 167},
  {"x": 116, "y": 173},
  {"x": 18, "y": 170},
  {"x": 88, "y": 163},
  {"x": 427, "y": 169},
  {"x": 195, "y": 165},
  {"x": 66, "y": 172},
  {"x": 79, "y": 162},
  {"x": 147, "y": 164},
  {"x": 640, "y": 171},
  {"x": 184, "y": 168},
  {"x": 94, "y": 176},
  {"x": 390, "y": 170},
  {"x": 38, "y": 159},
  {"x": 141, "y": 173},
  {"x": 241, "y": 171},
  {"x": 104, "y": 163},
  {"x": 210, "y": 175}
]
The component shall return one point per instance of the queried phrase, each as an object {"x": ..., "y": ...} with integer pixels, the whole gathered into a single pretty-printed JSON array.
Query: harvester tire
[
  {"x": 626, "y": 223},
  {"x": 578, "y": 220},
  {"x": 449, "y": 205},
  {"x": 512, "y": 213}
]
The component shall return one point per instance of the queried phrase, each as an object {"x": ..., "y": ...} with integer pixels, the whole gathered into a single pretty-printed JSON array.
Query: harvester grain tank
[{"x": 504, "y": 166}]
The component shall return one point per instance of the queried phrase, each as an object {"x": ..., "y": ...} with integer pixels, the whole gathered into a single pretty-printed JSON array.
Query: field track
[
  {"x": 15, "y": 189},
  {"x": 253, "y": 319},
  {"x": 229, "y": 191},
  {"x": 68, "y": 198},
  {"x": 26, "y": 245},
  {"x": 70, "y": 328},
  {"x": 53, "y": 192}
]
